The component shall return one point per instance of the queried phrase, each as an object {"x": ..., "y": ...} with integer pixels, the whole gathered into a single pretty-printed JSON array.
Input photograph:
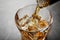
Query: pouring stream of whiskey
[{"x": 40, "y": 5}]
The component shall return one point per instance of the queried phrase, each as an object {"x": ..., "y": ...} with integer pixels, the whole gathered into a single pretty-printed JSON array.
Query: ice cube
[
  {"x": 31, "y": 23},
  {"x": 43, "y": 25},
  {"x": 32, "y": 28},
  {"x": 24, "y": 27},
  {"x": 23, "y": 21}
]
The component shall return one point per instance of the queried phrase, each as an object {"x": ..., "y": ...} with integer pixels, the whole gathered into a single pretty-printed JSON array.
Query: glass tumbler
[{"x": 40, "y": 34}]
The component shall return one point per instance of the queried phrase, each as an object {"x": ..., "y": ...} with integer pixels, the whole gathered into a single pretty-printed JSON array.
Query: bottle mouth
[
  {"x": 41, "y": 30},
  {"x": 43, "y": 3}
]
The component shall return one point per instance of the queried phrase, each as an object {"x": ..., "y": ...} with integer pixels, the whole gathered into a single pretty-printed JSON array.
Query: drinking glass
[{"x": 33, "y": 35}]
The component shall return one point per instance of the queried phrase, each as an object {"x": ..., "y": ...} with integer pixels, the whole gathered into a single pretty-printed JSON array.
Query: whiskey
[{"x": 40, "y": 4}]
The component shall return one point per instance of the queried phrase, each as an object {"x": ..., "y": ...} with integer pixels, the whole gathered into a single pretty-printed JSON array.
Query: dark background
[
  {"x": 54, "y": 33},
  {"x": 53, "y": 1}
]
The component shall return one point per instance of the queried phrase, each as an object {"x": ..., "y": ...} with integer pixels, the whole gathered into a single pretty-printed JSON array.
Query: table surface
[{"x": 8, "y": 29}]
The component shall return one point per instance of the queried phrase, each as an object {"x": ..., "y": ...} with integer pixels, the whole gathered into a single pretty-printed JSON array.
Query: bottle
[{"x": 44, "y": 3}]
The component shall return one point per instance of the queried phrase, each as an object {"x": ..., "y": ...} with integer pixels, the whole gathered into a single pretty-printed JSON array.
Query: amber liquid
[
  {"x": 40, "y": 6},
  {"x": 33, "y": 35}
]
